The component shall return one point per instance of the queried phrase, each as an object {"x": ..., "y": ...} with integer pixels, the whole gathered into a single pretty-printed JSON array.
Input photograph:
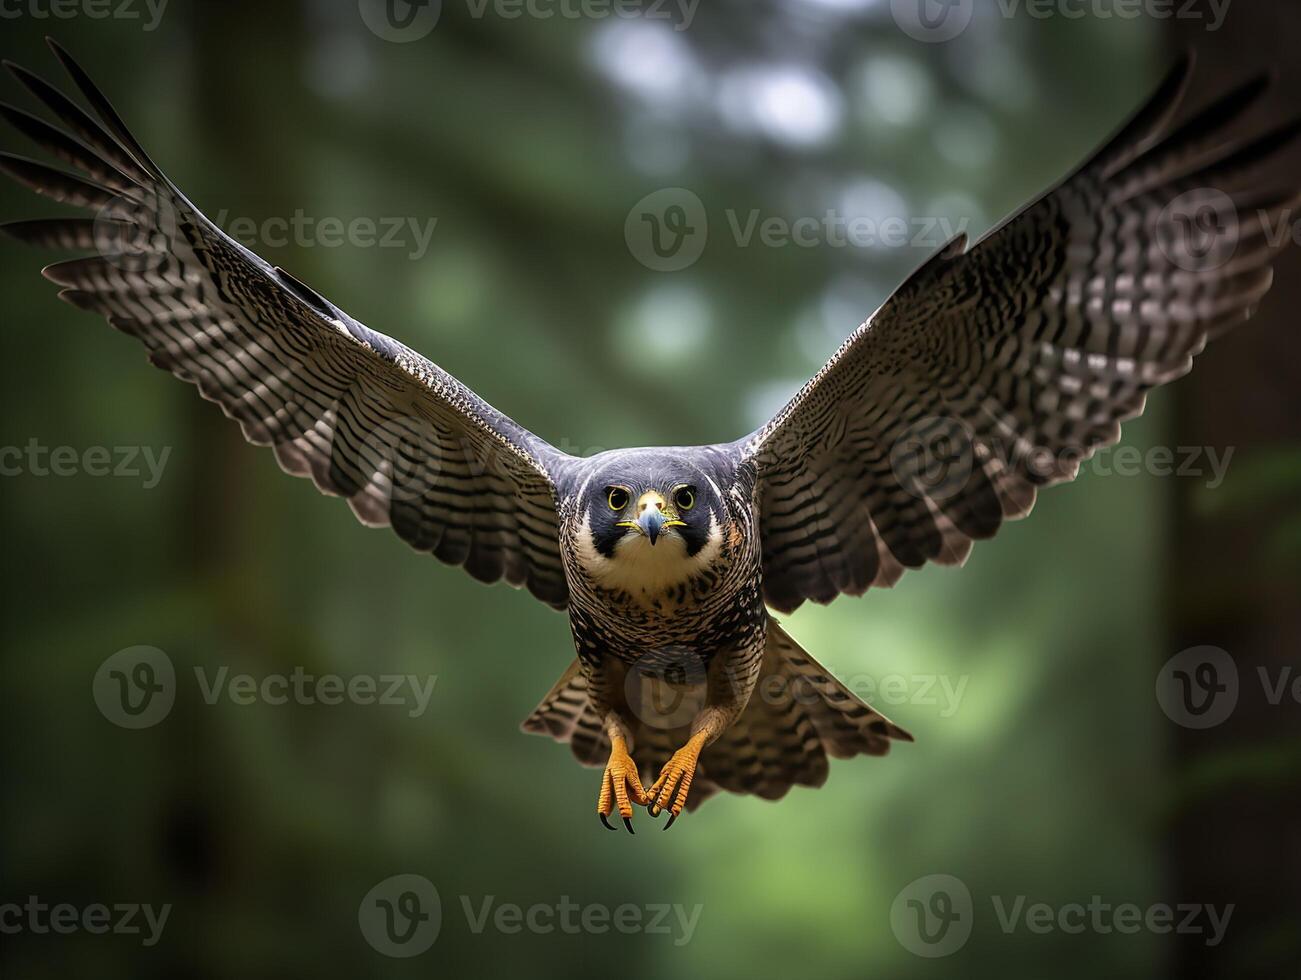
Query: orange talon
[
  {"x": 674, "y": 782},
  {"x": 619, "y": 778}
]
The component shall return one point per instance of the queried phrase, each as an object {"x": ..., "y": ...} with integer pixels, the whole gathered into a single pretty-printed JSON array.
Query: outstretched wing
[
  {"x": 995, "y": 371},
  {"x": 361, "y": 414}
]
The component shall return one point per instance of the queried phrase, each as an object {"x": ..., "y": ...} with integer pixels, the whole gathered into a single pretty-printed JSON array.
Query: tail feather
[
  {"x": 798, "y": 715},
  {"x": 567, "y": 715}
]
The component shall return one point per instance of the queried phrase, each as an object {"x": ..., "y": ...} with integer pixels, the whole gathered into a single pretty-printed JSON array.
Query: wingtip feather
[{"x": 103, "y": 108}]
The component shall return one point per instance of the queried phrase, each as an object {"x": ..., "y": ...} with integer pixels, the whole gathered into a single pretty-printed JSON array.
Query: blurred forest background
[{"x": 1055, "y": 775}]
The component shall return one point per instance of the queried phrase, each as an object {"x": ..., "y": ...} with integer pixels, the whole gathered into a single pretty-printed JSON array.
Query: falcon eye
[
  {"x": 684, "y": 498},
  {"x": 618, "y": 498}
]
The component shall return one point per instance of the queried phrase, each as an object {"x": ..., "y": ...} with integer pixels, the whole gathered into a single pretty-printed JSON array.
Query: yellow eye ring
[
  {"x": 617, "y": 499},
  {"x": 684, "y": 498}
]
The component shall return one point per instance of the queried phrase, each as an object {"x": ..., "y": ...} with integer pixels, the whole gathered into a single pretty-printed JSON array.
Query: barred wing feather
[
  {"x": 362, "y": 415},
  {"x": 996, "y": 370}
]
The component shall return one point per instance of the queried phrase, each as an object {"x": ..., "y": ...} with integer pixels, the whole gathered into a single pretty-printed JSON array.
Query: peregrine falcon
[{"x": 993, "y": 371}]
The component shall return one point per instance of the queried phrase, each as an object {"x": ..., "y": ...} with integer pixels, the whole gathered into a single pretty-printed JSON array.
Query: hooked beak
[
  {"x": 653, "y": 516},
  {"x": 650, "y": 523}
]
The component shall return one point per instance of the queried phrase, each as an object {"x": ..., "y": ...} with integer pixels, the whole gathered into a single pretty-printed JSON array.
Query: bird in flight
[{"x": 994, "y": 370}]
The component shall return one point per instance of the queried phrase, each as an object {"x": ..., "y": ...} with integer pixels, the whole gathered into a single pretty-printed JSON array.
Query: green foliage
[{"x": 265, "y": 825}]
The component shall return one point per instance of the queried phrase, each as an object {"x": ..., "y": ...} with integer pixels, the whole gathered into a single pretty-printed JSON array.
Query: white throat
[{"x": 644, "y": 569}]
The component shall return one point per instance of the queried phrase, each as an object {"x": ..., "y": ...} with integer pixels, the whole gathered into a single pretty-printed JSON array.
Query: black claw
[
  {"x": 672, "y": 817},
  {"x": 627, "y": 822},
  {"x": 605, "y": 822}
]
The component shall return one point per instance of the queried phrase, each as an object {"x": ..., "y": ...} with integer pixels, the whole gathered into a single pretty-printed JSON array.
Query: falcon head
[{"x": 648, "y": 521}]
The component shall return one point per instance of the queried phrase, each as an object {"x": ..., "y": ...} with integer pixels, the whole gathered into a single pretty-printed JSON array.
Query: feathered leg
[
  {"x": 620, "y": 784},
  {"x": 731, "y": 682}
]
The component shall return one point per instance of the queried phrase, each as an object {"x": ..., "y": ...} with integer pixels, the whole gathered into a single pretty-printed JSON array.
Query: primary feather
[
  {"x": 362, "y": 415},
  {"x": 1007, "y": 365}
]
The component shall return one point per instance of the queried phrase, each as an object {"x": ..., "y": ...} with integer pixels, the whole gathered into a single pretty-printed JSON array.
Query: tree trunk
[{"x": 1234, "y": 824}]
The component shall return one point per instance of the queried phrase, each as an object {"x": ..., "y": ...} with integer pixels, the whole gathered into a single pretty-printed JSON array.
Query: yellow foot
[
  {"x": 669, "y": 792},
  {"x": 620, "y": 786}
]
